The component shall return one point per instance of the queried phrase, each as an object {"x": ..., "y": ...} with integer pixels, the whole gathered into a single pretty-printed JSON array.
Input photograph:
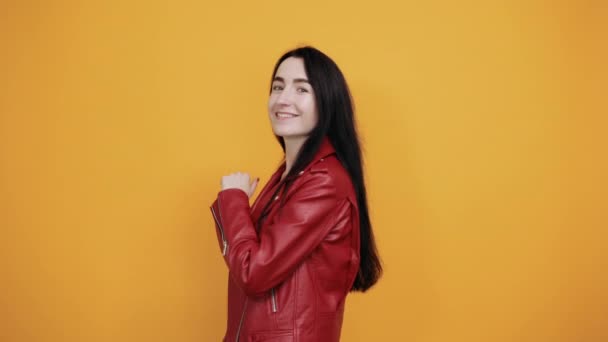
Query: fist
[{"x": 241, "y": 181}]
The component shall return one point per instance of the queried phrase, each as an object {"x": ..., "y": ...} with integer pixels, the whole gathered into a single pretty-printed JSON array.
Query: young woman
[{"x": 307, "y": 240}]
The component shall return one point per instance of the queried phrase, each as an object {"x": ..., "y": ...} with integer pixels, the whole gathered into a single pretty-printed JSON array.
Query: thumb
[{"x": 253, "y": 186}]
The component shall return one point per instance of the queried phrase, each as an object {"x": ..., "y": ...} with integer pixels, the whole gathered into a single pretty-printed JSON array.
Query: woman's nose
[{"x": 285, "y": 97}]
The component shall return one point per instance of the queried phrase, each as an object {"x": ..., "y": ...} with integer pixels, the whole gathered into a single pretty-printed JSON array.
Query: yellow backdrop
[{"x": 484, "y": 125}]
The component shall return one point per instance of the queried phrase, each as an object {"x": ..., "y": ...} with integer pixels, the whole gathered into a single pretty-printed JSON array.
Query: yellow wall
[{"x": 485, "y": 130}]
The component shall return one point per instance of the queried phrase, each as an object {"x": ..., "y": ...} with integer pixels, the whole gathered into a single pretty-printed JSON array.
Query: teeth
[{"x": 281, "y": 115}]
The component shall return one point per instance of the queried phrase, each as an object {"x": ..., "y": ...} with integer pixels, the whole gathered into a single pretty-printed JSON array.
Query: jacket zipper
[
  {"x": 219, "y": 225},
  {"x": 274, "y": 300},
  {"x": 238, "y": 331}
]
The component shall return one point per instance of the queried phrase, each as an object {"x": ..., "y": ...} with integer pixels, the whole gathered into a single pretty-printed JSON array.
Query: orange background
[{"x": 485, "y": 131}]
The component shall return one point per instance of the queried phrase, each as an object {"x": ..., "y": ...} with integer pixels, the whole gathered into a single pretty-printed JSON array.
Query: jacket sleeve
[{"x": 259, "y": 263}]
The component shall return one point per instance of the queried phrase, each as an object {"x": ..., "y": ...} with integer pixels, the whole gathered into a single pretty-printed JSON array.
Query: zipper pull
[{"x": 274, "y": 300}]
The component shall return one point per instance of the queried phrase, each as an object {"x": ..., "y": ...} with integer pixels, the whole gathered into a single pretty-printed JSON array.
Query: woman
[{"x": 307, "y": 240}]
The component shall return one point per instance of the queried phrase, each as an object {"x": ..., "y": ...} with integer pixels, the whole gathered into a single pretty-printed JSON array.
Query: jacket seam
[
  {"x": 351, "y": 277},
  {"x": 295, "y": 305}
]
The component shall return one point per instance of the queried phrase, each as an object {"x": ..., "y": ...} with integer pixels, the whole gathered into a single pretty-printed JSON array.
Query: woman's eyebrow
[{"x": 295, "y": 80}]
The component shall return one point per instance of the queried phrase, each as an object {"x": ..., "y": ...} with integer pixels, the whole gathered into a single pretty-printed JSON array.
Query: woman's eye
[
  {"x": 303, "y": 90},
  {"x": 277, "y": 87}
]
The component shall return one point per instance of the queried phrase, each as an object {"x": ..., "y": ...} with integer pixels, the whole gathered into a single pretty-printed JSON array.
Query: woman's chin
[{"x": 283, "y": 133}]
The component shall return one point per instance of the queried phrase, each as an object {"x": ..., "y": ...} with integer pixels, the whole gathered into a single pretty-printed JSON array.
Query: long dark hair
[{"x": 336, "y": 121}]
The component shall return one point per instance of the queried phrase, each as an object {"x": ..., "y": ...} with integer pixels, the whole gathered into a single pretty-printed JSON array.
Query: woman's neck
[{"x": 292, "y": 147}]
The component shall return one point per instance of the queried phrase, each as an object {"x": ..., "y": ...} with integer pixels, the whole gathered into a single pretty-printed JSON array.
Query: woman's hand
[{"x": 239, "y": 180}]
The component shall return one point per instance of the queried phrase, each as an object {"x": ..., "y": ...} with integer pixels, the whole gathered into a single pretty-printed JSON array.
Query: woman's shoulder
[{"x": 330, "y": 171}]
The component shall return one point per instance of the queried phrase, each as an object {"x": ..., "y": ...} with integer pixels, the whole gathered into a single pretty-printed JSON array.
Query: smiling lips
[{"x": 284, "y": 115}]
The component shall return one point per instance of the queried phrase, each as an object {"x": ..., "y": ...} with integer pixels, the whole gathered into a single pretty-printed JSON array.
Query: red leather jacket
[{"x": 289, "y": 281}]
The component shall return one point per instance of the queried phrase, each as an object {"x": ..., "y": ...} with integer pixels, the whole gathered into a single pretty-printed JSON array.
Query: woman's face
[{"x": 291, "y": 106}]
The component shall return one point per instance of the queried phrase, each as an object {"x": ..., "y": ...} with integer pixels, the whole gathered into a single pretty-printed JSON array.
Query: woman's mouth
[{"x": 283, "y": 115}]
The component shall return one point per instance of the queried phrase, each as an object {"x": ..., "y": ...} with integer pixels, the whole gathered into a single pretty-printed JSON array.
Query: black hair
[{"x": 336, "y": 121}]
